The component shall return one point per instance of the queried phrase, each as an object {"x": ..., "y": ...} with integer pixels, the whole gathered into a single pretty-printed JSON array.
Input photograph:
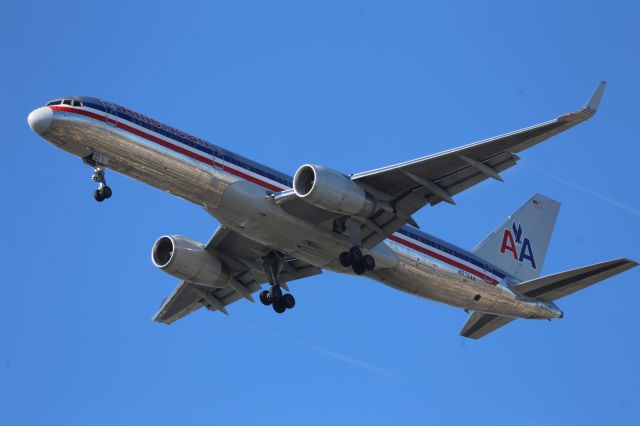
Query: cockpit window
[
  {"x": 54, "y": 103},
  {"x": 76, "y": 103},
  {"x": 66, "y": 102}
]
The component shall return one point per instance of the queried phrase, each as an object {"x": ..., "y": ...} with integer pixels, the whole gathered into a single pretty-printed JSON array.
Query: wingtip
[{"x": 594, "y": 100}]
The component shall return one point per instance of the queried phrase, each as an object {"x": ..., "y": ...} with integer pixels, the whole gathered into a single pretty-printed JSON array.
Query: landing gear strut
[
  {"x": 280, "y": 302},
  {"x": 357, "y": 261},
  {"x": 103, "y": 192}
]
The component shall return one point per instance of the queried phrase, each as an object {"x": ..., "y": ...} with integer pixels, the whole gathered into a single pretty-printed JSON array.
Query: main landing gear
[
  {"x": 103, "y": 192},
  {"x": 280, "y": 302},
  {"x": 359, "y": 263}
]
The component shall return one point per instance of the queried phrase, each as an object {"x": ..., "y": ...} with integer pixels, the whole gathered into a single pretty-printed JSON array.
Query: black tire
[
  {"x": 265, "y": 297},
  {"x": 279, "y": 306},
  {"x": 289, "y": 301},
  {"x": 368, "y": 262},
  {"x": 358, "y": 268},
  {"x": 97, "y": 194},
  {"x": 345, "y": 259},
  {"x": 355, "y": 253},
  {"x": 276, "y": 293},
  {"x": 106, "y": 192}
]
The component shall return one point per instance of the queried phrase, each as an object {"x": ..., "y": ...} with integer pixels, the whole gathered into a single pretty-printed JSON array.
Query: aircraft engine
[
  {"x": 333, "y": 191},
  {"x": 188, "y": 260}
]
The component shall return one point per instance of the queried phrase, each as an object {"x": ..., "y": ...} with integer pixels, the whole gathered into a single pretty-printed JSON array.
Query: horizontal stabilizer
[
  {"x": 553, "y": 287},
  {"x": 549, "y": 288},
  {"x": 480, "y": 324}
]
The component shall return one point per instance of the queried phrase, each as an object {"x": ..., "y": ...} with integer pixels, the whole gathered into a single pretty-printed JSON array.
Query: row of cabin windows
[
  {"x": 65, "y": 102},
  {"x": 207, "y": 149},
  {"x": 439, "y": 247},
  {"x": 446, "y": 250}
]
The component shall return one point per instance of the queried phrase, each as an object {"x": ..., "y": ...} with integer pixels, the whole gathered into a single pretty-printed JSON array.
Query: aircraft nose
[{"x": 40, "y": 120}]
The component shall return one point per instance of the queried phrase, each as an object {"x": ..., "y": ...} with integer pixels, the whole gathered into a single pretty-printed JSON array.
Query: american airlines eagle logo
[{"x": 514, "y": 242}]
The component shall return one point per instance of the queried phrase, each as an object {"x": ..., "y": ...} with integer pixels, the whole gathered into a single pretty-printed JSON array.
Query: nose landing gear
[
  {"x": 103, "y": 192},
  {"x": 280, "y": 302},
  {"x": 359, "y": 263}
]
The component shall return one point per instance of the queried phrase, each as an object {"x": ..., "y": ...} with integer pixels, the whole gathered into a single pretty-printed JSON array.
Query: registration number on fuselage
[{"x": 466, "y": 275}]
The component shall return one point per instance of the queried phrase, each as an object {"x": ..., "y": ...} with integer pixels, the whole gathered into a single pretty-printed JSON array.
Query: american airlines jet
[{"x": 275, "y": 229}]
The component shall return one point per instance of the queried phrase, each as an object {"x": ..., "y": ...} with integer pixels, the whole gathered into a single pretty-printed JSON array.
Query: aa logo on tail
[{"x": 514, "y": 242}]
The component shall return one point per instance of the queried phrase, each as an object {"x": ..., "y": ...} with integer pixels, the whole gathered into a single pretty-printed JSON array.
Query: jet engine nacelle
[
  {"x": 333, "y": 191},
  {"x": 189, "y": 261}
]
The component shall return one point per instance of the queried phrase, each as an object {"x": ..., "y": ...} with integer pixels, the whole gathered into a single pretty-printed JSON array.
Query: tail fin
[{"x": 518, "y": 246}]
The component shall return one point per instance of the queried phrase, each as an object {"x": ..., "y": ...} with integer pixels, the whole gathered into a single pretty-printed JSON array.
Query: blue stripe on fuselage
[{"x": 436, "y": 243}]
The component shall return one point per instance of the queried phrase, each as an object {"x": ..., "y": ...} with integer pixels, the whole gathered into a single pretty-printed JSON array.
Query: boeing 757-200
[{"x": 275, "y": 229}]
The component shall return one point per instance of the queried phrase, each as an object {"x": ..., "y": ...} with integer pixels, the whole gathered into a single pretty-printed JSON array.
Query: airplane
[{"x": 275, "y": 229}]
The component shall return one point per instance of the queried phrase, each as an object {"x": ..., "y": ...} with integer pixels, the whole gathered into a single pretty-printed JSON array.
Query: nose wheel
[
  {"x": 103, "y": 192},
  {"x": 279, "y": 302},
  {"x": 358, "y": 262}
]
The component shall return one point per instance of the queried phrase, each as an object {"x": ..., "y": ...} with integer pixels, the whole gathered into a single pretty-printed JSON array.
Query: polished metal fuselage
[{"x": 249, "y": 209}]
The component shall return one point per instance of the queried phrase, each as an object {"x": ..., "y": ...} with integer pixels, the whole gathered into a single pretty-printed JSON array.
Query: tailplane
[
  {"x": 549, "y": 288},
  {"x": 519, "y": 245}
]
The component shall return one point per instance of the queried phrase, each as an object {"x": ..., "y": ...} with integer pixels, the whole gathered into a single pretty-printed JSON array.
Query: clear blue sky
[{"x": 354, "y": 86}]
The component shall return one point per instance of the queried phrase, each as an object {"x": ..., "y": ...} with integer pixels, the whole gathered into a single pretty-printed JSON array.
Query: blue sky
[{"x": 353, "y": 86}]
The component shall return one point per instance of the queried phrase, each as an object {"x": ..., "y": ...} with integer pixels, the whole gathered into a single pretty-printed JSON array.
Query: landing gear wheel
[
  {"x": 358, "y": 267},
  {"x": 355, "y": 253},
  {"x": 345, "y": 259},
  {"x": 275, "y": 293},
  {"x": 265, "y": 297},
  {"x": 103, "y": 192},
  {"x": 279, "y": 306},
  {"x": 368, "y": 262},
  {"x": 98, "y": 195},
  {"x": 289, "y": 301}
]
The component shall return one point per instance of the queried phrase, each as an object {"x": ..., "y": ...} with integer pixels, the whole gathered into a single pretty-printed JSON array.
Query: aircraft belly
[
  {"x": 432, "y": 279},
  {"x": 247, "y": 209},
  {"x": 137, "y": 158}
]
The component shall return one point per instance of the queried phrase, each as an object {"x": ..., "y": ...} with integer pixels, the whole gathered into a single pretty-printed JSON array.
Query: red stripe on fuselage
[
  {"x": 442, "y": 258},
  {"x": 171, "y": 146}
]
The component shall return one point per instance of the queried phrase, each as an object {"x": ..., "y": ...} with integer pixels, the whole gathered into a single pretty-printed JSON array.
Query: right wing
[{"x": 243, "y": 257}]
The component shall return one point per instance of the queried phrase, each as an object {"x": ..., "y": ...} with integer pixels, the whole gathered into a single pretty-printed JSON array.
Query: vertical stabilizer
[{"x": 518, "y": 246}]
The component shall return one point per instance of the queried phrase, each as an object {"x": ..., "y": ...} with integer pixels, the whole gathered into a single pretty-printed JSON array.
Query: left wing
[
  {"x": 429, "y": 180},
  {"x": 243, "y": 257},
  {"x": 407, "y": 187}
]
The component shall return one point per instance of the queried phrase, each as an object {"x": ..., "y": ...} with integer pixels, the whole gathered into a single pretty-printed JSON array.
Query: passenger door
[{"x": 111, "y": 114}]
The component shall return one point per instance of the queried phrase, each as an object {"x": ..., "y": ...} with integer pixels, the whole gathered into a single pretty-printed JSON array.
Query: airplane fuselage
[{"x": 237, "y": 192}]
